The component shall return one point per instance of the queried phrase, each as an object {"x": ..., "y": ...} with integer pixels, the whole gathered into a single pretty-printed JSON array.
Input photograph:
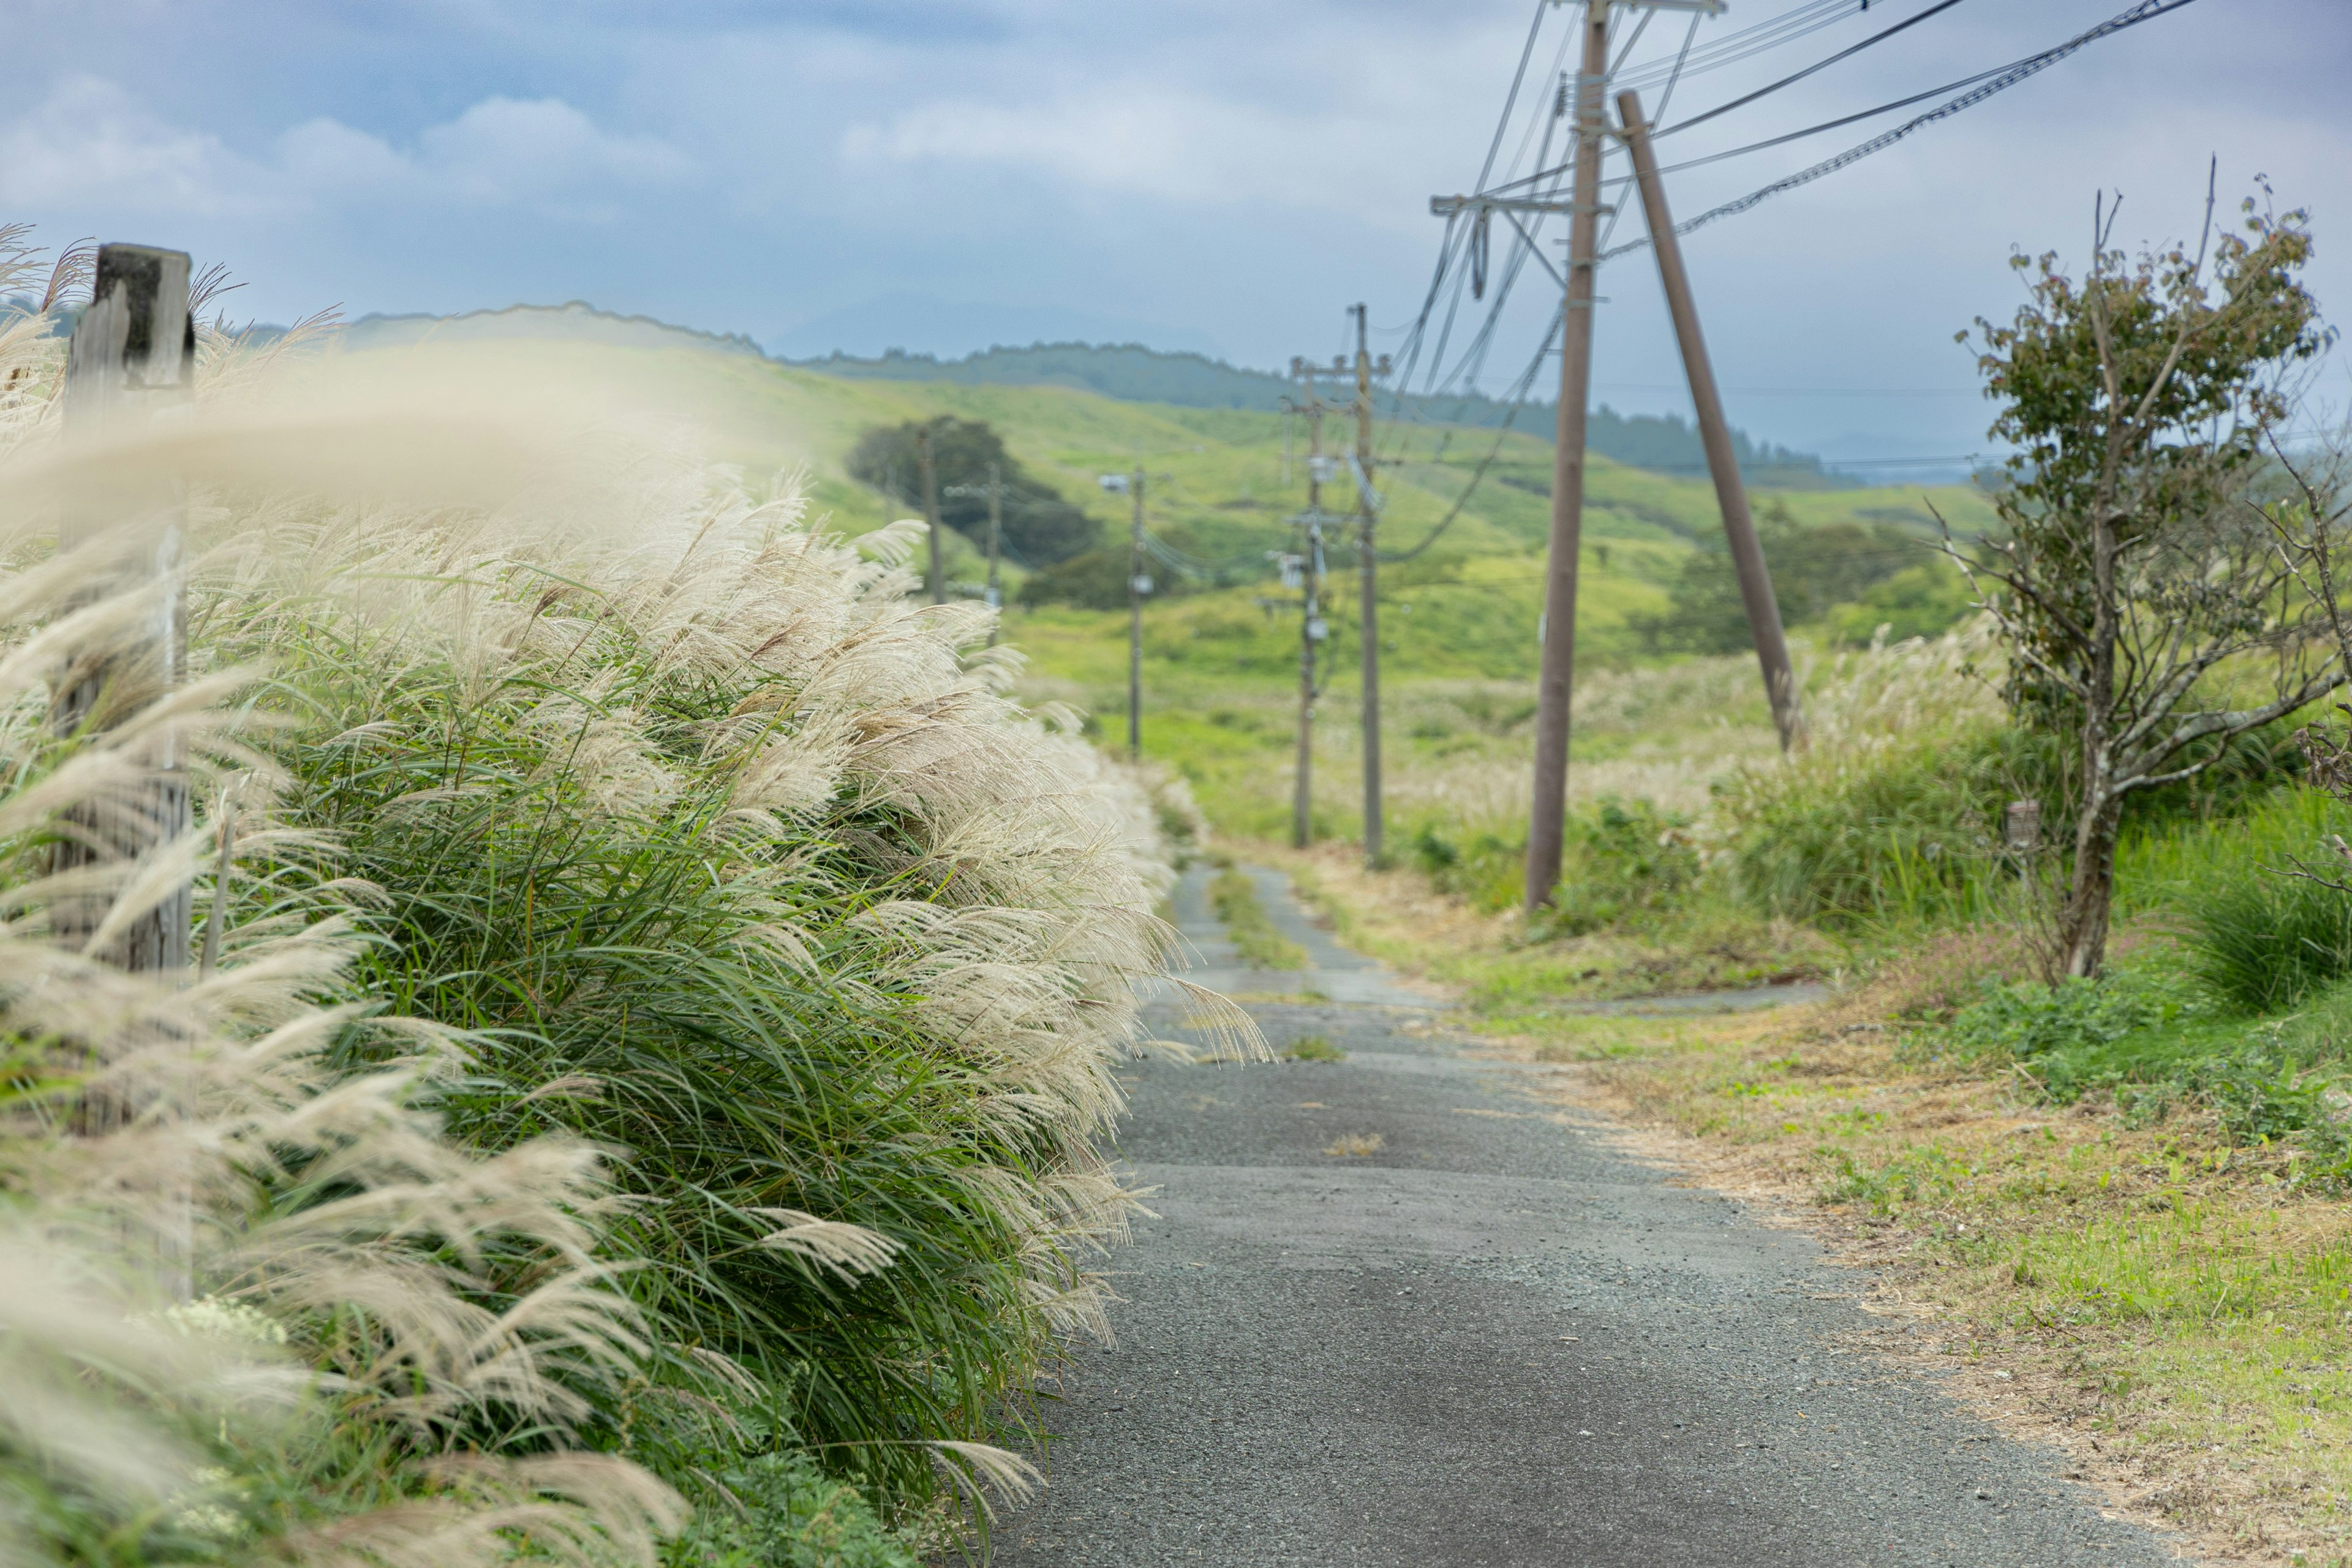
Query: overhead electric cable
[
  {"x": 1733, "y": 48},
  {"x": 1510, "y": 100},
  {"x": 2007, "y": 77},
  {"x": 1676, "y": 75},
  {"x": 1518, "y": 401},
  {"x": 1847, "y": 53}
]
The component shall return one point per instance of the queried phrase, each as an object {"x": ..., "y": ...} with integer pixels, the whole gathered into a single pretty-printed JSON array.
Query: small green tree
[
  {"x": 1041, "y": 528},
  {"x": 2149, "y": 610}
]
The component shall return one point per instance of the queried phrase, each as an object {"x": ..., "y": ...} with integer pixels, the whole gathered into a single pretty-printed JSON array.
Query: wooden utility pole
[
  {"x": 1715, "y": 434},
  {"x": 1312, "y": 629},
  {"x": 1139, "y": 583},
  {"x": 132, "y": 354},
  {"x": 1547, "y": 828},
  {"x": 1368, "y": 545},
  {"x": 995, "y": 540},
  {"x": 1547, "y": 825},
  {"x": 938, "y": 584}
]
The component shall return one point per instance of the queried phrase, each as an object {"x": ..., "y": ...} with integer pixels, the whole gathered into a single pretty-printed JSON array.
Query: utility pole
[
  {"x": 1547, "y": 828},
  {"x": 932, "y": 509},
  {"x": 1311, "y": 627},
  {"x": 1715, "y": 434},
  {"x": 995, "y": 540},
  {"x": 994, "y": 493},
  {"x": 1137, "y": 585},
  {"x": 1366, "y": 520}
]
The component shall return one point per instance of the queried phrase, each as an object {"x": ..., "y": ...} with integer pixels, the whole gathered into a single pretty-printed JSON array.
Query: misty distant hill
[
  {"x": 1128, "y": 372},
  {"x": 1134, "y": 374},
  {"x": 577, "y": 320}
]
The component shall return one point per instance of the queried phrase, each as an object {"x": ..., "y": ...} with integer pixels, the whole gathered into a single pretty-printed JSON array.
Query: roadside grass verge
[
  {"x": 1400, "y": 917},
  {"x": 2116, "y": 1211},
  {"x": 2126, "y": 1202}
]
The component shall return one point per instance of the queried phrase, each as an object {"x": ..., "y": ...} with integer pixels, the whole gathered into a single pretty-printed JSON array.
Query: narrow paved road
[{"x": 1494, "y": 1339}]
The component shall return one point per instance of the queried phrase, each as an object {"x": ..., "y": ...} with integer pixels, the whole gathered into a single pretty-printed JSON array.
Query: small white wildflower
[
  {"x": 210, "y": 1317},
  {"x": 198, "y": 1518}
]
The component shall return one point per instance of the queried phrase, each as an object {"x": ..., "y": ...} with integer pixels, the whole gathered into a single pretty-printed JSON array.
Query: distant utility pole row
[
  {"x": 1320, "y": 468},
  {"x": 1138, "y": 588},
  {"x": 1547, "y": 825}
]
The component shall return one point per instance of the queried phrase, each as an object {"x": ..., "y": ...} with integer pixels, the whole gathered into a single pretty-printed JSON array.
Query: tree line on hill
[
  {"x": 1877, "y": 573},
  {"x": 1131, "y": 373}
]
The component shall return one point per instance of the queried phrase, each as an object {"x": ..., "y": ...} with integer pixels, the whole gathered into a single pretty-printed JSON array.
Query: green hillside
[
  {"x": 1221, "y": 660},
  {"x": 1219, "y": 483},
  {"x": 1133, "y": 373}
]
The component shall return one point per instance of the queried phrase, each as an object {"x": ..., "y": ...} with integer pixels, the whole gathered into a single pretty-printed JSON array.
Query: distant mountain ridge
[{"x": 1130, "y": 373}]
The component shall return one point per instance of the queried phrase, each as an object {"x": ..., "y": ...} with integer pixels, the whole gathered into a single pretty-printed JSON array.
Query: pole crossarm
[
  {"x": 1705, "y": 8},
  {"x": 1449, "y": 206}
]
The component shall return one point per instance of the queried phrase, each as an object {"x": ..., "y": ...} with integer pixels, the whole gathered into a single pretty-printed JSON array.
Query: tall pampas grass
[
  {"x": 672, "y": 830},
  {"x": 226, "y": 1267}
]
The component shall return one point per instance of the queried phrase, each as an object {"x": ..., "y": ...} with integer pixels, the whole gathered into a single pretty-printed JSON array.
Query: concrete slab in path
[{"x": 1492, "y": 1339}]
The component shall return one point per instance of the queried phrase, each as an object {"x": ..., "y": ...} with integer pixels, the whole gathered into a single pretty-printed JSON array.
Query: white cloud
[
  {"x": 1131, "y": 141},
  {"x": 89, "y": 143},
  {"x": 90, "y": 146},
  {"x": 505, "y": 148}
]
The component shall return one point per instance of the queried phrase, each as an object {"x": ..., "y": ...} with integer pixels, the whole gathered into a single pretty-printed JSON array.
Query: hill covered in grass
[
  {"x": 1221, "y": 486},
  {"x": 1133, "y": 373},
  {"x": 1128, "y": 372}
]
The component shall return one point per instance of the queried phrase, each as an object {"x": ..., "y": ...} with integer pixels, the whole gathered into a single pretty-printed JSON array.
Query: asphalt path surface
[{"x": 1496, "y": 1338}]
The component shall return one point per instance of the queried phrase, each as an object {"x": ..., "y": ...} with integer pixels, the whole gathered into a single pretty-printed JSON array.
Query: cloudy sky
[{"x": 1218, "y": 174}]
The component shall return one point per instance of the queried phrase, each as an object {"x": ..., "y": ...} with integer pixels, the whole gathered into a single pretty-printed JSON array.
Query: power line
[
  {"x": 2007, "y": 77},
  {"x": 1847, "y": 53},
  {"x": 1748, "y": 43},
  {"x": 1527, "y": 379},
  {"x": 1800, "y": 391}
]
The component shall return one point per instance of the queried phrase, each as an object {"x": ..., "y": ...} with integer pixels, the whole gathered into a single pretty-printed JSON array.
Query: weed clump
[
  {"x": 1233, "y": 896},
  {"x": 2257, "y": 934},
  {"x": 1623, "y": 862}
]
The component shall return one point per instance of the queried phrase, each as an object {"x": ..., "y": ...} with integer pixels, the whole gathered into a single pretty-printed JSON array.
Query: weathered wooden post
[{"x": 133, "y": 355}]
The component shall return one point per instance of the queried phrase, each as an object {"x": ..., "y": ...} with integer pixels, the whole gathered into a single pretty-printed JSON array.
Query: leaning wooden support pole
[
  {"x": 1715, "y": 434},
  {"x": 133, "y": 355}
]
